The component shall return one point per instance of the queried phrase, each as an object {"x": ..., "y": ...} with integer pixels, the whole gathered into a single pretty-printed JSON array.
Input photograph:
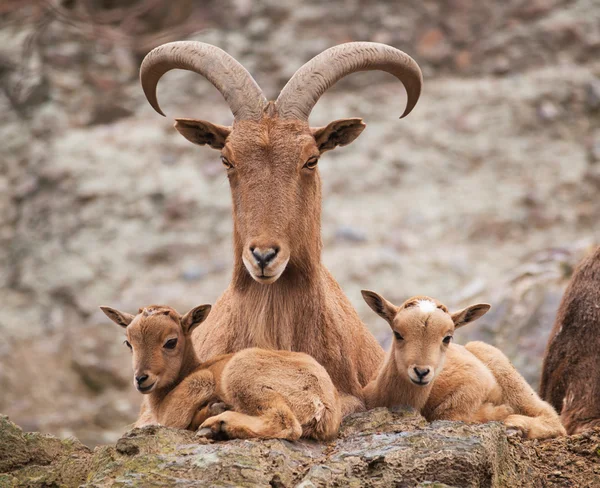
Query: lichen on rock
[{"x": 378, "y": 448}]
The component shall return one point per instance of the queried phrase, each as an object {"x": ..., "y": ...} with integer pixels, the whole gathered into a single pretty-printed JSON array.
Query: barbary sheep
[
  {"x": 271, "y": 394},
  {"x": 281, "y": 296},
  {"x": 570, "y": 374},
  {"x": 446, "y": 381}
]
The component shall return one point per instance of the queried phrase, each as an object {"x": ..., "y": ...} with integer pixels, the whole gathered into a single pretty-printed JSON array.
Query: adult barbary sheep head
[
  {"x": 423, "y": 329},
  {"x": 270, "y": 152}
]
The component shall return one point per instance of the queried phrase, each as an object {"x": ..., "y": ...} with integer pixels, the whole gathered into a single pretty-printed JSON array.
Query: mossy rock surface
[
  {"x": 37, "y": 460},
  {"x": 379, "y": 448}
]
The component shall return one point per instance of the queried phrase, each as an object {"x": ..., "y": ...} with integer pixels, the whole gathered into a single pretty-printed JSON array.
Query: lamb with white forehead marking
[
  {"x": 426, "y": 306},
  {"x": 446, "y": 381}
]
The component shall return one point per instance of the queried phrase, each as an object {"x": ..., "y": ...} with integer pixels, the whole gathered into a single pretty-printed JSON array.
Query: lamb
[
  {"x": 570, "y": 373},
  {"x": 272, "y": 394},
  {"x": 445, "y": 381},
  {"x": 281, "y": 296}
]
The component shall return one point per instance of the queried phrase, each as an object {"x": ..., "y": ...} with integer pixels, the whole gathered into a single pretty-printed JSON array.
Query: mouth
[
  {"x": 146, "y": 389},
  {"x": 259, "y": 275},
  {"x": 420, "y": 382},
  {"x": 264, "y": 279}
]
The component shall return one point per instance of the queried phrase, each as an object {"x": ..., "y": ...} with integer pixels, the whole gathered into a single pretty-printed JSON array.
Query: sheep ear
[
  {"x": 338, "y": 133},
  {"x": 120, "y": 318},
  {"x": 469, "y": 314},
  {"x": 202, "y": 132},
  {"x": 380, "y": 305},
  {"x": 194, "y": 318}
]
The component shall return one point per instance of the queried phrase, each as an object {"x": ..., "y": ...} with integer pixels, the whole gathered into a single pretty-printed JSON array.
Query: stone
[
  {"x": 592, "y": 94},
  {"x": 350, "y": 234},
  {"x": 378, "y": 448},
  {"x": 433, "y": 46},
  {"x": 40, "y": 460}
]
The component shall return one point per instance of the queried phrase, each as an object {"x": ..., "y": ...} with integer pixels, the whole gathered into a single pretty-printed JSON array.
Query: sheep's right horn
[
  {"x": 242, "y": 93},
  {"x": 304, "y": 89}
]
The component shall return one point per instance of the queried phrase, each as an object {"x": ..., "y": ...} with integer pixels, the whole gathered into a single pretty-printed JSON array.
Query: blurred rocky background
[{"x": 489, "y": 190}]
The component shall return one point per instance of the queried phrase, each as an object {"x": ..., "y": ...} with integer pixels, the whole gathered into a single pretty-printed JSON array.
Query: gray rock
[{"x": 379, "y": 448}]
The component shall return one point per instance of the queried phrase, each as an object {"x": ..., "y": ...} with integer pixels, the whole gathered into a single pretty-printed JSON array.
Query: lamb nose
[
  {"x": 264, "y": 257},
  {"x": 421, "y": 373},
  {"x": 141, "y": 379}
]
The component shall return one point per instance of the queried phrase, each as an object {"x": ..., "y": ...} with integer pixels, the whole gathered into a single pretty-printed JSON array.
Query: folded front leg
[
  {"x": 146, "y": 416},
  {"x": 276, "y": 423},
  {"x": 462, "y": 404},
  {"x": 214, "y": 407},
  {"x": 180, "y": 406}
]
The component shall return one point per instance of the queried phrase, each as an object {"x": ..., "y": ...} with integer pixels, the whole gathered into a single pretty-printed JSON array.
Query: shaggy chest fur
[{"x": 280, "y": 316}]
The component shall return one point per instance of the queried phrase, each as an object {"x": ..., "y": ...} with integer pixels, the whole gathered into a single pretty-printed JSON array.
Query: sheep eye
[
  {"x": 312, "y": 162},
  {"x": 398, "y": 336},
  {"x": 226, "y": 162},
  {"x": 170, "y": 344},
  {"x": 447, "y": 339},
  {"x": 127, "y": 344}
]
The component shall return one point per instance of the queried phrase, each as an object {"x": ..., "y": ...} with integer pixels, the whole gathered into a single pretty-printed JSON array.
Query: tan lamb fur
[
  {"x": 272, "y": 394},
  {"x": 446, "y": 381},
  {"x": 281, "y": 296}
]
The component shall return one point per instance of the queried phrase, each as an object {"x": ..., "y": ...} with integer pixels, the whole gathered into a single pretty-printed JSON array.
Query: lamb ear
[
  {"x": 469, "y": 314},
  {"x": 194, "y": 318},
  {"x": 120, "y": 318},
  {"x": 380, "y": 305}
]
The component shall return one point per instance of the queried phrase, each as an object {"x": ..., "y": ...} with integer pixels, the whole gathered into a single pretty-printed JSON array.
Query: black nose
[
  {"x": 264, "y": 256},
  {"x": 421, "y": 372},
  {"x": 140, "y": 379}
]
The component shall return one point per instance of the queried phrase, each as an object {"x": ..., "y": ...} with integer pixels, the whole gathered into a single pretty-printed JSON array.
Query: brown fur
[
  {"x": 571, "y": 372},
  {"x": 272, "y": 394},
  {"x": 475, "y": 383},
  {"x": 297, "y": 305}
]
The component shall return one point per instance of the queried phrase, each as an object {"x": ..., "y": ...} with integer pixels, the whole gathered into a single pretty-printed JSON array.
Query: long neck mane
[{"x": 294, "y": 298}]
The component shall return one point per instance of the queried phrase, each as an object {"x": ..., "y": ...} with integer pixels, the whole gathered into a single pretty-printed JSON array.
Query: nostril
[
  {"x": 257, "y": 255},
  {"x": 252, "y": 248},
  {"x": 141, "y": 379},
  {"x": 264, "y": 257},
  {"x": 269, "y": 255},
  {"x": 421, "y": 373}
]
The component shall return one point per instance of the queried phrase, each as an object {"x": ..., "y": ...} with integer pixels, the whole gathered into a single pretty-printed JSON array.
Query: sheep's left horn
[
  {"x": 242, "y": 93},
  {"x": 304, "y": 89}
]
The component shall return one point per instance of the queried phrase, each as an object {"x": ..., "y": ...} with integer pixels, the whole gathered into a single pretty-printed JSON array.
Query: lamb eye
[
  {"x": 398, "y": 336},
  {"x": 447, "y": 339},
  {"x": 226, "y": 162},
  {"x": 312, "y": 162},
  {"x": 128, "y": 344},
  {"x": 170, "y": 344}
]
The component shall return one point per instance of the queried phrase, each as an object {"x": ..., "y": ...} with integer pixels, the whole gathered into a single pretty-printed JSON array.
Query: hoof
[
  {"x": 206, "y": 433},
  {"x": 218, "y": 408},
  {"x": 217, "y": 429},
  {"x": 514, "y": 432}
]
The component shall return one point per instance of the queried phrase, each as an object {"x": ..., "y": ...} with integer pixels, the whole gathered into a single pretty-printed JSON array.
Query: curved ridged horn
[
  {"x": 242, "y": 93},
  {"x": 304, "y": 89}
]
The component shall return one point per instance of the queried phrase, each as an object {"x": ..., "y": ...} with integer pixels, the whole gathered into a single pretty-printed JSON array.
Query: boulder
[{"x": 378, "y": 448}]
